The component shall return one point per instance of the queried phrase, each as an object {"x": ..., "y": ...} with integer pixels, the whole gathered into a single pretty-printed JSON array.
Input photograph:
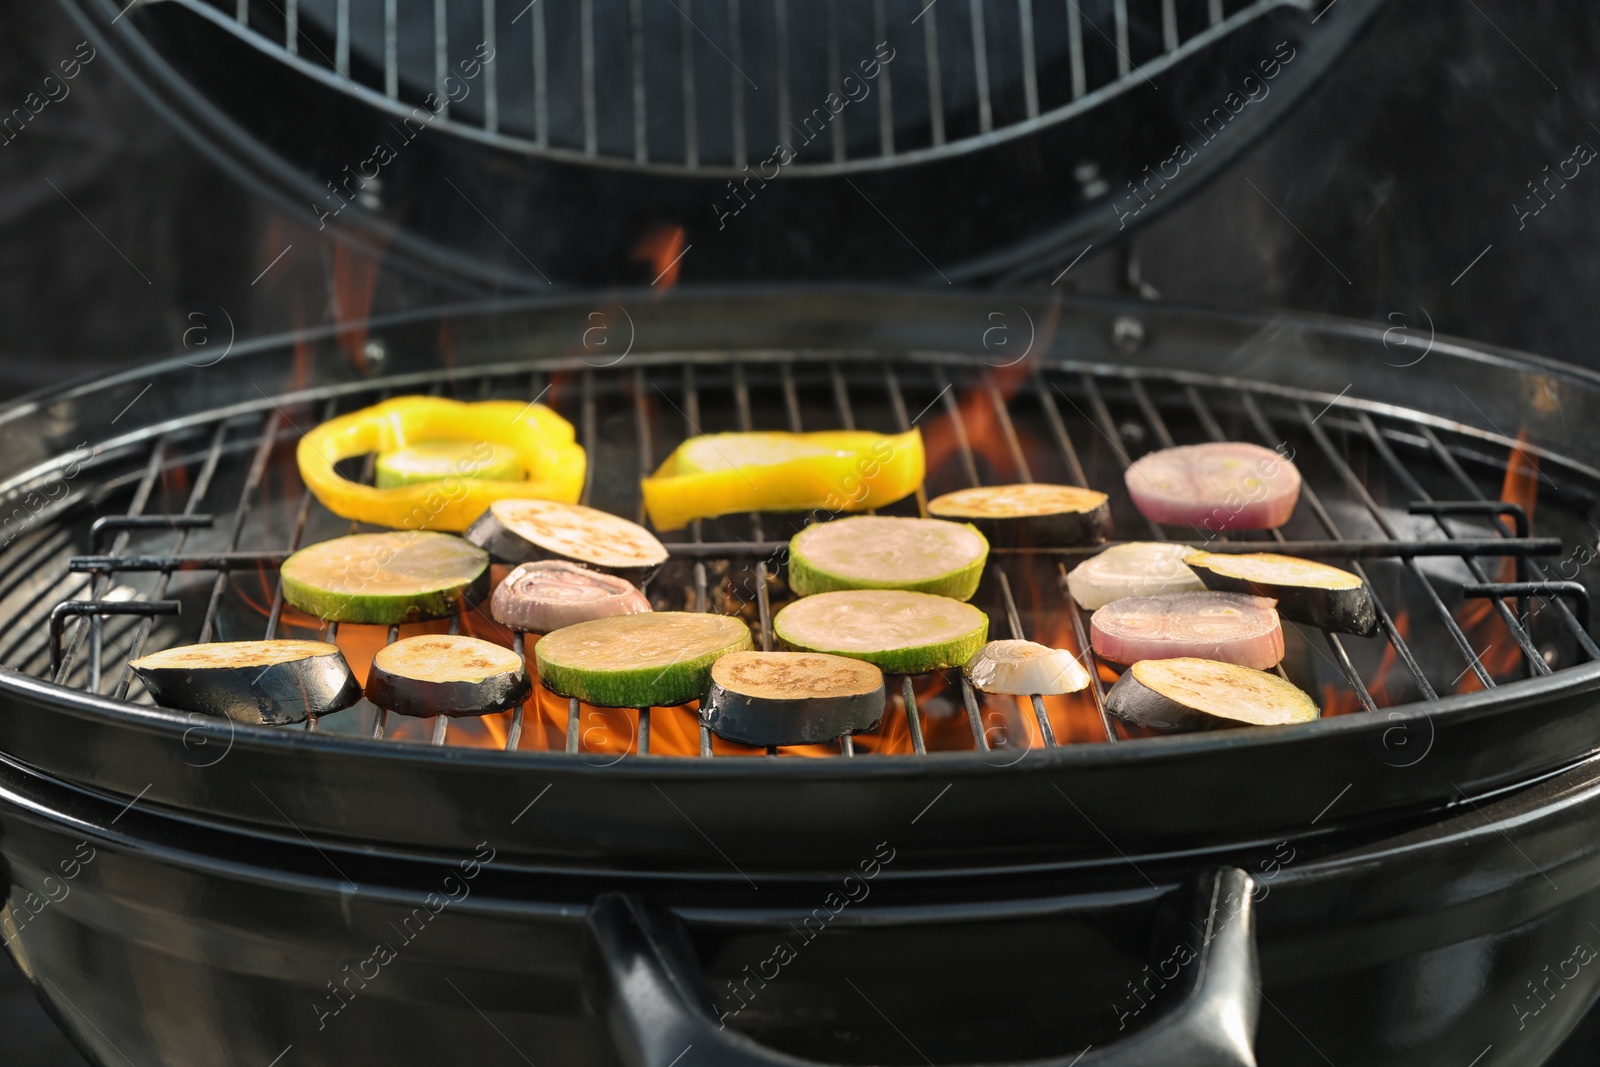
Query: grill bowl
[{"x": 597, "y": 810}]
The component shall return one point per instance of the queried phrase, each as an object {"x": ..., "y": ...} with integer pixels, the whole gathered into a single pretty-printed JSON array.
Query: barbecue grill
[{"x": 634, "y": 872}]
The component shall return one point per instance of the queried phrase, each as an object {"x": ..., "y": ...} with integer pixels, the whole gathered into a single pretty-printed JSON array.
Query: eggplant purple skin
[
  {"x": 802, "y": 721},
  {"x": 277, "y": 695},
  {"x": 411, "y": 696},
  {"x": 504, "y": 546},
  {"x": 1346, "y": 611},
  {"x": 1060, "y": 529},
  {"x": 1136, "y": 704}
]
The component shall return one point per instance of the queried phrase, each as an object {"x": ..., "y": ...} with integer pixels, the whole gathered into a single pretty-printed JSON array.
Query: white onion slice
[
  {"x": 1224, "y": 485},
  {"x": 1228, "y": 627},
  {"x": 547, "y": 595},
  {"x": 1139, "y": 568},
  {"x": 1025, "y": 668}
]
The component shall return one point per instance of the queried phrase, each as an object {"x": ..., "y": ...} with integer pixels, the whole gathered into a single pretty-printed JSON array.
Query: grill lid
[{"x": 784, "y": 138}]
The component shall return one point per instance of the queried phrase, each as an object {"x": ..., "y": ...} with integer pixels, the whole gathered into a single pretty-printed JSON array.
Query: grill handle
[{"x": 642, "y": 979}]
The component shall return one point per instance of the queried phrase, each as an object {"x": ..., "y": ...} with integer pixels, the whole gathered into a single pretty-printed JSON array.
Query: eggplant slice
[
  {"x": 1202, "y": 694},
  {"x": 1029, "y": 514},
  {"x": 517, "y": 531},
  {"x": 791, "y": 698},
  {"x": 447, "y": 674},
  {"x": 1306, "y": 591},
  {"x": 264, "y": 683}
]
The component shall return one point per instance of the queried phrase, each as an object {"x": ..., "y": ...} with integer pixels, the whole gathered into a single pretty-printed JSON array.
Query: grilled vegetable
[
  {"x": 445, "y": 674},
  {"x": 1139, "y": 568},
  {"x": 1225, "y": 485},
  {"x": 633, "y": 661},
  {"x": 1223, "y": 626},
  {"x": 386, "y": 577},
  {"x": 259, "y": 682},
  {"x": 1308, "y": 592},
  {"x": 515, "y": 531},
  {"x": 1025, "y": 668},
  {"x": 431, "y": 461},
  {"x": 1202, "y": 694},
  {"x": 840, "y": 470},
  {"x": 791, "y": 698},
  {"x": 901, "y": 632},
  {"x": 550, "y": 462},
  {"x": 553, "y": 593},
  {"x": 870, "y": 552},
  {"x": 1029, "y": 514}
]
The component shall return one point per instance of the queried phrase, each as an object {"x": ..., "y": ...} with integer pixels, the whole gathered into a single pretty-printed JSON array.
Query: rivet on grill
[
  {"x": 375, "y": 352},
  {"x": 1127, "y": 333},
  {"x": 1132, "y": 433}
]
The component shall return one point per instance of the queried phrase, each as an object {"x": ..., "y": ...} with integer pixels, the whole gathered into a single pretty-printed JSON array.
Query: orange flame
[
  {"x": 662, "y": 248},
  {"x": 1486, "y": 631}
]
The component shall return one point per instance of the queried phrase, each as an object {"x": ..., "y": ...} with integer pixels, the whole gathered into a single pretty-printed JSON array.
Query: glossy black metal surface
[
  {"x": 180, "y": 943},
  {"x": 505, "y": 222},
  {"x": 656, "y": 814}
]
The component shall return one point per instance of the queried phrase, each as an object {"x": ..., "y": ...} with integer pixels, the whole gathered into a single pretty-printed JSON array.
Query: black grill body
[{"x": 243, "y": 869}]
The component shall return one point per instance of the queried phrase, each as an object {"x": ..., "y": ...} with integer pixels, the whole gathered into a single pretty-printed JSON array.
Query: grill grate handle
[{"x": 643, "y": 980}]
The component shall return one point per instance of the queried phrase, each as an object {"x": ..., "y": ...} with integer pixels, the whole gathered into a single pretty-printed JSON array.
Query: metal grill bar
[
  {"x": 1269, "y": 436},
  {"x": 1530, "y": 653},
  {"x": 1354, "y": 484},
  {"x": 1012, "y": 71},
  {"x": 980, "y": 66},
  {"x": 255, "y": 448},
  {"x": 1534, "y": 570},
  {"x": 1341, "y": 657}
]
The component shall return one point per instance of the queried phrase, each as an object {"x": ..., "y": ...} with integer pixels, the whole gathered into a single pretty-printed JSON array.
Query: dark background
[{"x": 1374, "y": 199}]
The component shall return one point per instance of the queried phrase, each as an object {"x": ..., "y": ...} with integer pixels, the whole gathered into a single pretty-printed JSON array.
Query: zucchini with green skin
[
  {"x": 1306, "y": 591},
  {"x": 386, "y": 578},
  {"x": 653, "y": 659},
  {"x": 264, "y": 683},
  {"x": 432, "y": 461},
  {"x": 447, "y": 674},
  {"x": 874, "y": 552},
  {"x": 1202, "y": 694},
  {"x": 791, "y": 698},
  {"x": 1030, "y": 513},
  {"x": 520, "y": 531},
  {"x": 900, "y": 632}
]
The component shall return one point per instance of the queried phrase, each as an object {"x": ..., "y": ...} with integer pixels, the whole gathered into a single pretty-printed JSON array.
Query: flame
[
  {"x": 355, "y": 279},
  {"x": 1497, "y": 651},
  {"x": 979, "y": 413},
  {"x": 662, "y": 248}
]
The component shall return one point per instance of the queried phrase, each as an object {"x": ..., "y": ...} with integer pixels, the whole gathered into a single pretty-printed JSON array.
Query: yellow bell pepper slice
[
  {"x": 836, "y": 470},
  {"x": 552, "y": 462}
]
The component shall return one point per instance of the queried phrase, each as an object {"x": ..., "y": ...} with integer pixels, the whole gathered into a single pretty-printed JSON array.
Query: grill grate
[
  {"x": 669, "y": 87},
  {"x": 1065, "y": 423}
]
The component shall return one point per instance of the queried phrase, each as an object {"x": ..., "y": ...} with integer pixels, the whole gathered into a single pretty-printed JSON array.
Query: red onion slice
[
  {"x": 1229, "y": 627},
  {"x": 1226, "y": 485},
  {"x": 550, "y": 594}
]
